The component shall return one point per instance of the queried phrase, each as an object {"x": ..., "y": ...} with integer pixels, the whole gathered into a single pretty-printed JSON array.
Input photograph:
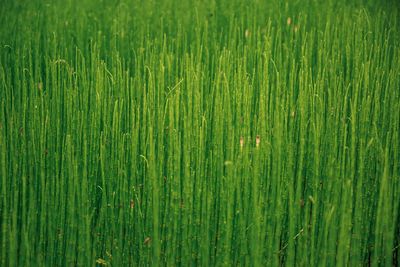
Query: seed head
[
  {"x": 100, "y": 261},
  {"x": 289, "y": 21},
  {"x": 147, "y": 241},
  {"x": 258, "y": 141},
  {"x": 241, "y": 142}
]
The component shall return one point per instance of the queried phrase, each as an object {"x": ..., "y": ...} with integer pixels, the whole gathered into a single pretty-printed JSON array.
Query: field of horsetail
[{"x": 199, "y": 133}]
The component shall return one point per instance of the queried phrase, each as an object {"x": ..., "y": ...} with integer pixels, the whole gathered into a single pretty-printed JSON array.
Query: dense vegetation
[{"x": 211, "y": 133}]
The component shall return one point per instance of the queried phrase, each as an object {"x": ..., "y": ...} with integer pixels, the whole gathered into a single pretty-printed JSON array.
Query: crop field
[{"x": 199, "y": 133}]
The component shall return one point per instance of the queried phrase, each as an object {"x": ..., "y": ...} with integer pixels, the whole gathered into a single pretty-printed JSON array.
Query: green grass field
[{"x": 199, "y": 133}]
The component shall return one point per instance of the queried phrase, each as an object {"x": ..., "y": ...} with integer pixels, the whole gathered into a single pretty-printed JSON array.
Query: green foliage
[{"x": 211, "y": 133}]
